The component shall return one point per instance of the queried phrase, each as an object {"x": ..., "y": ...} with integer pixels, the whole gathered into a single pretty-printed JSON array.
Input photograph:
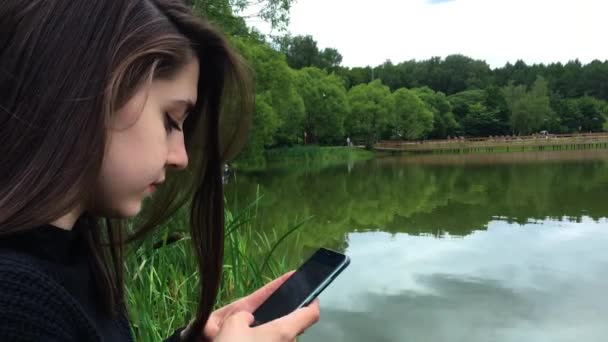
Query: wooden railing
[{"x": 495, "y": 141}]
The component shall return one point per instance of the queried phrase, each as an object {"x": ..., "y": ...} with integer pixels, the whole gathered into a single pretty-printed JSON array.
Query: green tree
[
  {"x": 220, "y": 13},
  {"x": 355, "y": 76},
  {"x": 276, "y": 88},
  {"x": 594, "y": 113},
  {"x": 459, "y": 73},
  {"x": 481, "y": 121},
  {"x": 412, "y": 118},
  {"x": 272, "y": 74},
  {"x": 389, "y": 74},
  {"x": 595, "y": 79},
  {"x": 516, "y": 97},
  {"x": 444, "y": 122},
  {"x": 371, "y": 110},
  {"x": 302, "y": 51},
  {"x": 290, "y": 107},
  {"x": 568, "y": 85},
  {"x": 583, "y": 114},
  {"x": 530, "y": 110},
  {"x": 495, "y": 101},
  {"x": 329, "y": 59},
  {"x": 265, "y": 123},
  {"x": 230, "y": 15},
  {"x": 567, "y": 115},
  {"x": 463, "y": 100},
  {"x": 326, "y": 105}
]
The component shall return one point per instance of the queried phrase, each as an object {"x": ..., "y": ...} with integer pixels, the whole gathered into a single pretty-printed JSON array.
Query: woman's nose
[{"x": 178, "y": 156}]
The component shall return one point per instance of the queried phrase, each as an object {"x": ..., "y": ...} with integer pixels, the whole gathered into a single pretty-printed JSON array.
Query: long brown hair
[{"x": 65, "y": 67}]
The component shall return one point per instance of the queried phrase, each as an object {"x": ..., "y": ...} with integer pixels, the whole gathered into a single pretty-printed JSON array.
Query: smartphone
[{"x": 303, "y": 286}]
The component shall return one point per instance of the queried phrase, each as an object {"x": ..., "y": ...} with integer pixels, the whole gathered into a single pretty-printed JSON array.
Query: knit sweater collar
[{"x": 50, "y": 242}]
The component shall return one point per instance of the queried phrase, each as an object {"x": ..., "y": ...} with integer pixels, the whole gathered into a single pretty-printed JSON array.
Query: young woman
[{"x": 103, "y": 103}]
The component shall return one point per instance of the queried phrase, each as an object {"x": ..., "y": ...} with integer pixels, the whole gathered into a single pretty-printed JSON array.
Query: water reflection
[
  {"x": 439, "y": 195},
  {"x": 537, "y": 282},
  {"x": 505, "y": 248}
]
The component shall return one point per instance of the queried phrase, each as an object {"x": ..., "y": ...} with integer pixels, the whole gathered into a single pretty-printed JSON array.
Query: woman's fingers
[
  {"x": 236, "y": 328},
  {"x": 315, "y": 304},
  {"x": 292, "y": 325}
]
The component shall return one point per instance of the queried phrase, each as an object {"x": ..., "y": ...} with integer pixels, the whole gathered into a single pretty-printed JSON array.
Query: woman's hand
[
  {"x": 239, "y": 313},
  {"x": 247, "y": 304},
  {"x": 236, "y": 328}
]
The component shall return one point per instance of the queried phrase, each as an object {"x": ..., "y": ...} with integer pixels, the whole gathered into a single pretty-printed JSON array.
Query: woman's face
[{"x": 143, "y": 142}]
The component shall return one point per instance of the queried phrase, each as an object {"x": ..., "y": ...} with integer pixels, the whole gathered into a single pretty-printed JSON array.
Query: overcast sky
[{"x": 497, "y": 31}]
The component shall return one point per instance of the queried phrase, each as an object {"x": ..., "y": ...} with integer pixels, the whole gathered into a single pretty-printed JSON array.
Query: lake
[{"x": 480, "y": 247}]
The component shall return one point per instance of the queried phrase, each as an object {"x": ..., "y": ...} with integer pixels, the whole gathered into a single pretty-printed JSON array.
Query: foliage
[
  {"x": 530, "y": 110},
  {"x": 162, "y": 276},
  {"x": 326, "y": 105},
  {"x": 412, "y": 118},
  {"x": 444, "y": 122},
  {"x": 585, "y": 114},
  {"x": 371, "y": 111},
  {"x": 230, "y": 15},
  {"x": 302, "y": 51},
  {"x": 305, "y": 96}
]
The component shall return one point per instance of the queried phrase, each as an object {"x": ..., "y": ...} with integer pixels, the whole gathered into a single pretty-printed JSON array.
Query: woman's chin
[
  {"x": 122, "y": 209},
  {"x": 133, "y": 210},
  {"x": 128, "y": 210}
]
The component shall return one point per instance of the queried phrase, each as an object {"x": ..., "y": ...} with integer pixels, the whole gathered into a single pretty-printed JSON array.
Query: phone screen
[{"x": 303, "y": 286}]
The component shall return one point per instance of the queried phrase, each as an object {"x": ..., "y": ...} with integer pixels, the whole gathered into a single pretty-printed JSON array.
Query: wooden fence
[{"x": 489, "y": 144}]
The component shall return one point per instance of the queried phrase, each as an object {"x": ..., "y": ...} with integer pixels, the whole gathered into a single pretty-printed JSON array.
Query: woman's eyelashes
[{"x": 171, "y": 124}]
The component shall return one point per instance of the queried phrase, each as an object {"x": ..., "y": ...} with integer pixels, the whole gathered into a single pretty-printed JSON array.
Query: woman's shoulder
[
  {"x": 16, "y": 267},
  {"x": 23, "y": 281},
  {"x": 23, "y": 277},
  {"x": 22, "y": 267},
  {"x": 32, "y": 304}
]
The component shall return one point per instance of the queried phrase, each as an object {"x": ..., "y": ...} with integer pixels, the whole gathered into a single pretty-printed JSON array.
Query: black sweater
[{"x": 47, "y": 292}]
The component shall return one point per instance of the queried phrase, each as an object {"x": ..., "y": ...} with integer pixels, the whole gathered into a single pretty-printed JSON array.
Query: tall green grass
[{"x": 162, "y": 278}]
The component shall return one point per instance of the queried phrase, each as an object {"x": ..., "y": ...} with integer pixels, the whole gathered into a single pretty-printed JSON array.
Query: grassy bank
[
  {"x": 302, "y": 155},
  {"x": 162, "y": 278}
]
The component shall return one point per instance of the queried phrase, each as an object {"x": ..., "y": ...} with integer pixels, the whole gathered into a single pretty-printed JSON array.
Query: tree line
[{"x": 304, "y": 95}]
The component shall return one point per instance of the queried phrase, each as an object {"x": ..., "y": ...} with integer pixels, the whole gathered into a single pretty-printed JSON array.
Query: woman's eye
[{"x": 170, "y": 124}]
